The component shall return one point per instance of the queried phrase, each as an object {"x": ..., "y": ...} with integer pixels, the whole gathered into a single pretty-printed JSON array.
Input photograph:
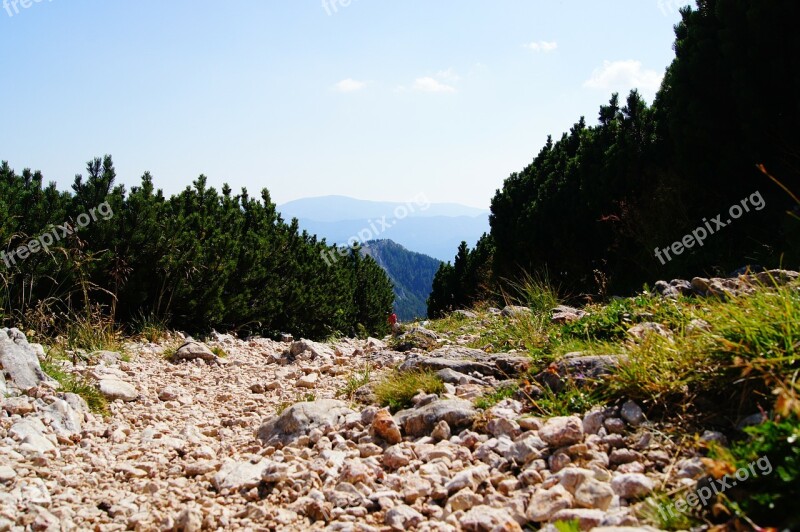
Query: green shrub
[
  {"x": 769, "y": 496},
  {"x": 356, "y": 380},
  {"x": 397, "y": 389},
  {"x": 74, "y": 384}
]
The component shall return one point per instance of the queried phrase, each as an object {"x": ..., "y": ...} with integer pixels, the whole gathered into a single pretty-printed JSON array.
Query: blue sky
[{"x": 376, "y": 100}]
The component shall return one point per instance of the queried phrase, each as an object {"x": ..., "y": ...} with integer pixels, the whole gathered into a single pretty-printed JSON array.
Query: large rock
[
  {"x": 468, "y": 361},
  {"x": 235, "y": 475},
  {"x": 632, "y": 485},
  {"x": 458, "y": 414},
  {"x": 30, "y": 432},
  {"x": 513, "y": 311},
  {"x": 300, "y": 419},
  {"x": 20, "y": 362},
  {"x": 306, "y": 350},
  {"x": 486, "y": 519},
  {"x": 579, "y": 369},
  {"x": 562, "y": 431},
  {"x": 193, "y": 351},
  {"x": 66, "y": 415},
  {"x": 385, "y": 427},
  {"x": 403, "y": 518},
  {"x": 563, "y": 314},
  {"x": 546, "y": 502},
  {"x": 113, "y": 388}
]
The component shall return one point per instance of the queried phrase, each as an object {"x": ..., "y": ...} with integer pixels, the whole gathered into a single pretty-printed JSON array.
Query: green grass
[
  {"x": 770, "y": 455},
  {"x": 74, "y": 384},
  {"x": 656, "y": 510},
  {"x": 536, "y": 292},
  {"x": 397, "y": 389},
  {"x": 151, "y": 327},
  {"x": 568, "y": 526},
  {"x": 570, "y": 400},
  {"x": 356, "y": 380},
  {"x": 171, "y": 348},
  {"x": 221, "y": 353}
]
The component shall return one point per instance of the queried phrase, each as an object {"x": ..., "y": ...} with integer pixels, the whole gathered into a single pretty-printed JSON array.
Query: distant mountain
[
  {"x": 411, "y": 273},
  {"x": 434, "y": 229}
]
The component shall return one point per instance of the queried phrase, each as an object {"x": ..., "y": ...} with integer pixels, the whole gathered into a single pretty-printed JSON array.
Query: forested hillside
[
  {"x": 594, "y": 205},
  {"x": 411, "y": 274},
  {"x": 199, "y": 260}
]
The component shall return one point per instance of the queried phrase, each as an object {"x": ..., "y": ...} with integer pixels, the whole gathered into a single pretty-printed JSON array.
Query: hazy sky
[{"x": 367, "y": 98}]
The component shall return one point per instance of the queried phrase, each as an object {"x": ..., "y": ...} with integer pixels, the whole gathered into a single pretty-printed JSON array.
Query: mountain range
[
  {"x": 434, "y": 229},
  {"x": 411, "y": 274}
]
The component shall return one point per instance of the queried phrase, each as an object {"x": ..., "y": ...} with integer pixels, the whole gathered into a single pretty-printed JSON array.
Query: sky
[{"x": 365, "y": 98}]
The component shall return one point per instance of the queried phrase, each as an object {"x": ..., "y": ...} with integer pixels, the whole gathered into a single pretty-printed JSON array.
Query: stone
[
  {"x": 527, "y": 449},
  {"x": 17, "y": 406},
  {"x": 498, "y": 427},
  {"x": 468, "y": 362},
  {"x": 487, "y": 519},
  {"x": 578, "y": 369},
  {"x": 403, "y": 518},
  {"x": 20, "y": 362},
  {"x": 515, "y": 311},
  {"x": 614, "y": 425},
  {"x": 415, "y": 487},
  {"x": 562, "y": 431},
  {"x": 632, "y": 485},
  {"x": 31, "y": 431},
  {"x": 469, "y": 478},
  {"x": 592, "y": 493},
  {"x": 563, "y": 314},
  {"x": 108, "y": 358},
  {"x": 624, "y": 456},
  {"x": 690, "y": 468},
  {"x": 308, "y": 381},
  {"x": 234, "y": 475},
  {"x": 632, "y": 413},
  {"x": 441, "y": 431},
  {"x": 464, "y": 500},
  {"x": 643, "y": 330},
  {"x": 66, "y": 415},
  {"x": 113, "y": 389},
  {"x": 7, "y": 474},
  {"x": 386, "y": 428},
  {"x": 194, "y": 351},
  {"x": 458, "y": 414},
  {"x": 300, "y": 419},
  {"x": 189, "y": 520},
  {"x": 168, "y": 393},
  {"x": 546, "y": 502},
  {"x": 452, "y": 376},
  {"x": 593, "y": 421},
  {"x": 397, "y": 456}
]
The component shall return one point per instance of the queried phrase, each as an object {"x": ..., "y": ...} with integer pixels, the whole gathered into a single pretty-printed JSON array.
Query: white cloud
[
  {"x": 431, "y": 85},
  {"x": 624, "y": 75},
  {"x": 542, "y": 46},
  {"x": 349, "y": 85}
]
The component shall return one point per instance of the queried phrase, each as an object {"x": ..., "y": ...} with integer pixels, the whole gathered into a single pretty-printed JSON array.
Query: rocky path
[{"x": 198, "y": 445}]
